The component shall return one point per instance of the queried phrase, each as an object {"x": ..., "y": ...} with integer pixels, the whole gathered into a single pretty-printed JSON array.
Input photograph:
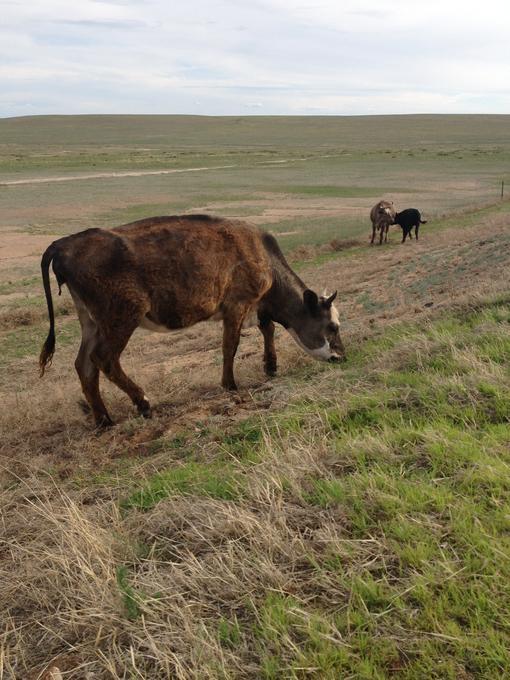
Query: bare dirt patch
[
  {"x": 15, "y": 246},
  {"x": 290, "y": 207}
]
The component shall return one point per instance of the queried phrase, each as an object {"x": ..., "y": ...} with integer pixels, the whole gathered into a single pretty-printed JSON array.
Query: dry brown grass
[
  {"x": 14, "y": 315},
  {"x": 210, "y": 561}
]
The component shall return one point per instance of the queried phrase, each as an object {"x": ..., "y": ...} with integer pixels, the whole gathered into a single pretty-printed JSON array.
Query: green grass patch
[
  {"x": 27, "y": 341},
  {"x": 418, "y": 465},
  {"x": 22, "y": 285},
  {"x": 215, "y": 480},
  {"x": 130, "y": 597},
  {"x": 330, "y": 190},
  {"x": 229, "y": 632}
]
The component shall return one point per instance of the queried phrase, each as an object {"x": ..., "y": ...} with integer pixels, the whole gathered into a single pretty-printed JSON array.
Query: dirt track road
[
  {"x": 107, "y": 175},
  {"x": 138, "y": 173}
]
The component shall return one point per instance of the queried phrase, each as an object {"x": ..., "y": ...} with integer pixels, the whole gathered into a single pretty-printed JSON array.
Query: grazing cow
[
  {"x": 407, "y": 219},
  {"x": 382, "y": 215},
  {"x": 165, "y": 273}
]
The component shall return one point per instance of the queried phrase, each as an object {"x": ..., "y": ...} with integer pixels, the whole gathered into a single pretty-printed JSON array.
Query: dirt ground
[
  {"x": 19, "y": 248},
  {"x": 44, "y": 427}
]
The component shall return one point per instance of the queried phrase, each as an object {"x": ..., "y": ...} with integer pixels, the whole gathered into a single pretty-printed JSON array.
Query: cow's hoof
[
  {"x": 229, "y": 386},
  {"x": 104, "y": 422},
  {"x": 144, "y": 408},
  {"x": 270, "y": 366}
]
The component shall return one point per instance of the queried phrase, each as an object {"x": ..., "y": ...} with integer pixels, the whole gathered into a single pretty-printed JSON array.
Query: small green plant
[
  {"x": 130, "y": 597},
  {"x": 229, "y": 632}
]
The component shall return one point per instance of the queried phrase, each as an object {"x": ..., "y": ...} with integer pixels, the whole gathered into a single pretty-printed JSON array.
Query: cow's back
[
  {"x": 408, "y": 217},
  {"x": 184, "y": 269},
  {"x": 206, "y": 238},
  {"x": 194, "y": 247},
  {"x": 196, "y": 265}
]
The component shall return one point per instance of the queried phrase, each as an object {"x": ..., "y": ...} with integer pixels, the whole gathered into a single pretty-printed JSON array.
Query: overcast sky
[{"x": 256, "y": 57}]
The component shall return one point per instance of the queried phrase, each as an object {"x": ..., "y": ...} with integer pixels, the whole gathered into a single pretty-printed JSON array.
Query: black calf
[{"x": 408, "y": 219}]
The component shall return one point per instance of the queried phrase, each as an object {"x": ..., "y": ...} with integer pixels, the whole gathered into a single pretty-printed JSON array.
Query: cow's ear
[
  {"x": 329, "y": 301},
  {"x": 311, "y": 300}
]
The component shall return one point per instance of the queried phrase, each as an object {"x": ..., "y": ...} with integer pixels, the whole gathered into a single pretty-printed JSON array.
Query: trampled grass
[{"x": 361, "y": 532}]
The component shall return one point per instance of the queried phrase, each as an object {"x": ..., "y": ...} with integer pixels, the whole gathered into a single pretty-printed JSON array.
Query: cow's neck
[{"x": 284, "y": 302}]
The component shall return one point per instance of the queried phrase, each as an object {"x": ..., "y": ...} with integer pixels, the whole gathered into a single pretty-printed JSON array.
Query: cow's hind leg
[
  {"x": 87, "y": 371},
  {"x": 266, "y": 327},
  {"x": 106, "y": 356}
]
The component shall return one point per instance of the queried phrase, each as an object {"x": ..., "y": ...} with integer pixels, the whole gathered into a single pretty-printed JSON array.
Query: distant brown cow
[
  {"x": 165, "y": 273},
  {"x": 382, "y": 215}
]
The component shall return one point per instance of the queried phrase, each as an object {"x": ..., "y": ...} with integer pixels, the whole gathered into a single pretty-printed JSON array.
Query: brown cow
[
  {"x": 382, "y": 215},
  {"x": 165, "y": 273}
]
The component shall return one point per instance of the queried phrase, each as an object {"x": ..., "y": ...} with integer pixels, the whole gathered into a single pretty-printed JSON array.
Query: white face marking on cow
[
  {"x": 323, "y": 353},
  {"x": 334, "y": 315}
]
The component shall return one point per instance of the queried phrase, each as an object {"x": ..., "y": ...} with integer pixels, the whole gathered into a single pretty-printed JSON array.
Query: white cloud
[{"x": 266, "y": 56}]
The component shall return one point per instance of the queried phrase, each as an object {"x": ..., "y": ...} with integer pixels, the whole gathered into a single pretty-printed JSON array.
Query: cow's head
[
  {"x": 316, "y": 328},
  {"x": 386, "y": 208}
]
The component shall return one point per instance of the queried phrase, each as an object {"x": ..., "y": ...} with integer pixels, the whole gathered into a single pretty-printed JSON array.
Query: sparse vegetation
[{"x": 367, "y": 537}]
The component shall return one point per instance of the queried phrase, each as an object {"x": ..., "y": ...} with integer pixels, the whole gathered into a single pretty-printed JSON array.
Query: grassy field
[
  {"x": 334, "y": 522},
  {"x": 266, "y": 169}
]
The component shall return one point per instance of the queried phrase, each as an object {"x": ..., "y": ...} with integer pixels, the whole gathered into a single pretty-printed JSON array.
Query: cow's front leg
[
  {"x": 232, "y": 324},
  {"x": 266, "y": 327},
  {"x": 373, "y": 234}
]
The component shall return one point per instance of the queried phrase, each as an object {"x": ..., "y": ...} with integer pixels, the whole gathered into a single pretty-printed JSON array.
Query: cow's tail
[
  {"x": 423, "y": 221},
  {"x": 48, "y": 348}
]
